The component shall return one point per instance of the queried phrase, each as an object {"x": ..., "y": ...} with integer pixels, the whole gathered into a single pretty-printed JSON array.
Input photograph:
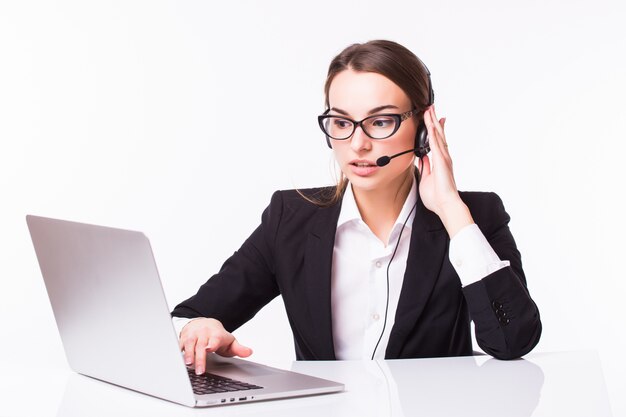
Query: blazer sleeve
[
  {"x": 506, "y": 319},
  {"x": 246, "y": 281}
]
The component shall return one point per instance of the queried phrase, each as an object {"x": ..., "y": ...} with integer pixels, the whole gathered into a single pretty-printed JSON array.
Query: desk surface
[{"x": 542, "y": 384}]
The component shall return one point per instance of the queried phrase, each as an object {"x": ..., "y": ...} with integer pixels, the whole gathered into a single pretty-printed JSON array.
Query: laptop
[{"x": 115, "y": 324}]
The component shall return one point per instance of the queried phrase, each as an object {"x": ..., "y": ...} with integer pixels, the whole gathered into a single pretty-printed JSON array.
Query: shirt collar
[{"x": 350, "y": 211}]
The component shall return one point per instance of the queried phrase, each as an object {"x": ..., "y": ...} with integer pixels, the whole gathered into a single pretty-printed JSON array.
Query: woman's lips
[{"x": 363, "y": 167}]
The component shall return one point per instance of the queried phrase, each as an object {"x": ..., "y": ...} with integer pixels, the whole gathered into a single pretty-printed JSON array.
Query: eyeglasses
[{"x": 379, "y": 126}]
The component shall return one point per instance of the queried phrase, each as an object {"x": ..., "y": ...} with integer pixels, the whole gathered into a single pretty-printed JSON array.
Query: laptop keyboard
[{"x": 210, "y": 383}]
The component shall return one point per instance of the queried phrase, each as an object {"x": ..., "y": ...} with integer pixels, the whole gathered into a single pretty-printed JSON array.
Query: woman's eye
[
  {"x": 382, "y": 122},
  {"x": 342, "y": 124}
]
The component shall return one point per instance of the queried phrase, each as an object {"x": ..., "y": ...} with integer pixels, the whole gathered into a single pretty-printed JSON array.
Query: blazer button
[
  {"x": 497, "y": 305},
  {"x": 504, "y": 321}
]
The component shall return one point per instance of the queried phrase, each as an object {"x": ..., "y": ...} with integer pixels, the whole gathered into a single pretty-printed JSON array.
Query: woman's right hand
[{"x": 202, "y": 336}]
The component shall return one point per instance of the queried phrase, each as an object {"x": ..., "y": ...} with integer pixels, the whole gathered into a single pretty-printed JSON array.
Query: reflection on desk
[
  {"x": 543, "y": 384},
  {"x": 442, "y": 387}
]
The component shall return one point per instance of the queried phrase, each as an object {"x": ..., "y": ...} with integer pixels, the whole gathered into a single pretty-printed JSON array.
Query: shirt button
[
  {"x": 378, "y": 264},
  {"x": 375, "y": 316},
  {"x": 458, "y": 263}
]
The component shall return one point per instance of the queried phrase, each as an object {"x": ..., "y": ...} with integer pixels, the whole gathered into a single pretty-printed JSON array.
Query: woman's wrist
[{"x": 455, "y": 216}]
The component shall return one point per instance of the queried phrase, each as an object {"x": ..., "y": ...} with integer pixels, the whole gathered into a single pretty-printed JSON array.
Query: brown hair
[{"x": 387, "y": 58}]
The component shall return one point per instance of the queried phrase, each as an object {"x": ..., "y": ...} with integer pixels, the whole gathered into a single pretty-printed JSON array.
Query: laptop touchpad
[{"x": 239, "y": 367}]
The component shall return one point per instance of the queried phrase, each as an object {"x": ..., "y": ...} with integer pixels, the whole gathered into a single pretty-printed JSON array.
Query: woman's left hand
[{"x": 437, "y": 186}]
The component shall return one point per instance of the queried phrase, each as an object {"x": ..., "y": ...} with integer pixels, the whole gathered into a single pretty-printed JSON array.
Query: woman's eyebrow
[
  {"x": 380, "y": 108},
  {"x": 374, "y": 110},
  {"x": 345, "y": 113}
]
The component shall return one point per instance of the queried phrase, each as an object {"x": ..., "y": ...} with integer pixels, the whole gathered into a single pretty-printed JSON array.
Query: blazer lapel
[
  {"x": 427, "y": 249},
  {"x": 318, "y": 271}
]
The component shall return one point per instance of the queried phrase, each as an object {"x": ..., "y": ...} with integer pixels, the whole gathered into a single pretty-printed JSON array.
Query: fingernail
[{"x": 198, "y": 371}]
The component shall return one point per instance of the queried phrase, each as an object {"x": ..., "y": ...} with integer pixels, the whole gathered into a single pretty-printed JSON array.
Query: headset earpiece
[{"x": 421, "y": 140}]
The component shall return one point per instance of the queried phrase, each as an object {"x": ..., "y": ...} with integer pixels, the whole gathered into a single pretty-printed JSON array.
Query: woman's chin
[{"x": 369, "y": 183}]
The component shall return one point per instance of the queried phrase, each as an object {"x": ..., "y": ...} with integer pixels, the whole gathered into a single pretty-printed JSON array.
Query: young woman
[{"x": 393, "y": 262}]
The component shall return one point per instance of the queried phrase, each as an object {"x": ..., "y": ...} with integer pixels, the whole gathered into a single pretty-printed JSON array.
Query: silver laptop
[{"x": 115, "y": 325}]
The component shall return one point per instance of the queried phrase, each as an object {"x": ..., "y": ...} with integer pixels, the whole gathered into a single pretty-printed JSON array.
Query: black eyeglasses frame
[{"x": 399, "y": 117}]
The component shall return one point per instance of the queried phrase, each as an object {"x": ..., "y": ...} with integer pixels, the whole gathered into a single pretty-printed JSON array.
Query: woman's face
[{"x": 357, "y": 95}]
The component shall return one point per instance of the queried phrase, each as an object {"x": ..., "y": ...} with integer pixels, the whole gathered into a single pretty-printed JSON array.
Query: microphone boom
[{"x": 384, "y": 160}]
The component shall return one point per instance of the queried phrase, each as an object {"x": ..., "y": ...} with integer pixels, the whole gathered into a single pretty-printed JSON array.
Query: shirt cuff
[
  {"x": 179, "y": 323},
  {"x": 472, "y": 256}
]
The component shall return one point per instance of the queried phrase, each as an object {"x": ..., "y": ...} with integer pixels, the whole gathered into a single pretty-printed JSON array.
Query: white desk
[{"x": 544, "y": 384}]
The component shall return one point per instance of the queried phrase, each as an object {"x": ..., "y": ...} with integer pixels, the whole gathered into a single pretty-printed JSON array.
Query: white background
[{"x": 180, "y": 119}]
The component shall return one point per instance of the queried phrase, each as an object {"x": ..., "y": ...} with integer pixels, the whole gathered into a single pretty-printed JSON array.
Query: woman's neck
[{"x": 380, "y": 208}]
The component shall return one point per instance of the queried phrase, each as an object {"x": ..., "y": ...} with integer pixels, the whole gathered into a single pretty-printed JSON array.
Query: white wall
[{"x": 159, "y": 115}]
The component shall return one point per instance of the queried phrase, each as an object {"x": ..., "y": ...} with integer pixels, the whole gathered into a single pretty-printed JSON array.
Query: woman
[{"x": 393, "y": 262}]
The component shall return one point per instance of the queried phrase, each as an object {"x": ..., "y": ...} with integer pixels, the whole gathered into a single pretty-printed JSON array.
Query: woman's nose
[{"x": 360, "y": 141}]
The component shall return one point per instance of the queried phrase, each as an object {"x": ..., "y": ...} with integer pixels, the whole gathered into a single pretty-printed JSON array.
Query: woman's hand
[
  {"x": 203, "y": 335},
  {"x": 437, "y": 186}
]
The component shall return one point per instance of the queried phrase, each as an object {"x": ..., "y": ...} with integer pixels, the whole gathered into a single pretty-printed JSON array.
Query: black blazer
[{"x": 290, "y": 254}]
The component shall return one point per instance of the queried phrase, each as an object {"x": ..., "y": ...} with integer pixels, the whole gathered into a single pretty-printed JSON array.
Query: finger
[
  {"x": 439, "y": 135},
  {"x": 240, "y": 350},
  {"x": 200, "y": 357},
  {"x": 433, "y": 139},
  {"x": 214, "y": 343},
  {"x": 189, "y": 344},
  {"x": 224, "y": 347},
  {"x": 436, "y": 123}
]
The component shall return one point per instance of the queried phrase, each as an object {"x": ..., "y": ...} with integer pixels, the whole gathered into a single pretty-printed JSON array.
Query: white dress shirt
[{"x": 359, "y": 276}]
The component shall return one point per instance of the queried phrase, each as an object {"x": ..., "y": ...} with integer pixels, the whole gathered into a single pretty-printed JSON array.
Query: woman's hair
[{"x": 391, "y": 60}]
